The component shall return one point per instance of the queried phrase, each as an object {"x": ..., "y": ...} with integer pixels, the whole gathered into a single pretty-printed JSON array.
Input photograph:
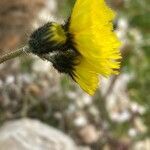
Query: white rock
[{"x": 27, "y": 134}]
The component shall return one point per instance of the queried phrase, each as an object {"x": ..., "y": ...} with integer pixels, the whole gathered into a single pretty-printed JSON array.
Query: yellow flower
[
  {"x": 85, "y": 47},
  {"x": 93, "y": 37}
]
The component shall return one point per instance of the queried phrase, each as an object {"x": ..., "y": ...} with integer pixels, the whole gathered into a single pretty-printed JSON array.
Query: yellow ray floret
[
  {"x": 86, "y": 76},
  {"x": 59, "y": 36},
  {"x": 91, "y": 27}
]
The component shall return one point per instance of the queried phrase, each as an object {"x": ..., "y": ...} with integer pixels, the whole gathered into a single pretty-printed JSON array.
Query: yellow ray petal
[
  {"x": 93, "y": 37},
  {"x": 91, "y": 27},
  {"x": 87, "y": 12},
  {"x": 86, "y": 77},
  {"x": 105, "y": 67}
]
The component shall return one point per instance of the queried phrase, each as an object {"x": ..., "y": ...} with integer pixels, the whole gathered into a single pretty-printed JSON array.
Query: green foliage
[
  {"x": 139, "y": 60},
  {"x": 141, "y": 21},
  {"x": 65, "y": 8}
]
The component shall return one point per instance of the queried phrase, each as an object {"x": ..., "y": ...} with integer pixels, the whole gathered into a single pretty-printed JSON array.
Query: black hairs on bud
[
  {"x": 64, "y": 62},
  {"x": 41, "y": 42}
]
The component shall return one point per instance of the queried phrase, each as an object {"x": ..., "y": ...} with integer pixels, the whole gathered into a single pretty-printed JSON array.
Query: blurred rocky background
[{"x": 116, "y": 118}]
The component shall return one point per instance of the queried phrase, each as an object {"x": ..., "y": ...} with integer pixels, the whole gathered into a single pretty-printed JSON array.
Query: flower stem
[{"x": 14, "y": 54}]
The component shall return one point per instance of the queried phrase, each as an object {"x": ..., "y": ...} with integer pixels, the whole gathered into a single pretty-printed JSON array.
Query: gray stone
[{"x": 27, "y": 134}]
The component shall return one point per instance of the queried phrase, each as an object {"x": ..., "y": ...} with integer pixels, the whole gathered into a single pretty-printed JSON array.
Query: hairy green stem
[{"x": 14, "y": 54}]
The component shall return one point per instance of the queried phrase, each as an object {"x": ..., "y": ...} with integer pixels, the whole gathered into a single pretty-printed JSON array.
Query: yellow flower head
[{"x": 85, "y": 47}]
